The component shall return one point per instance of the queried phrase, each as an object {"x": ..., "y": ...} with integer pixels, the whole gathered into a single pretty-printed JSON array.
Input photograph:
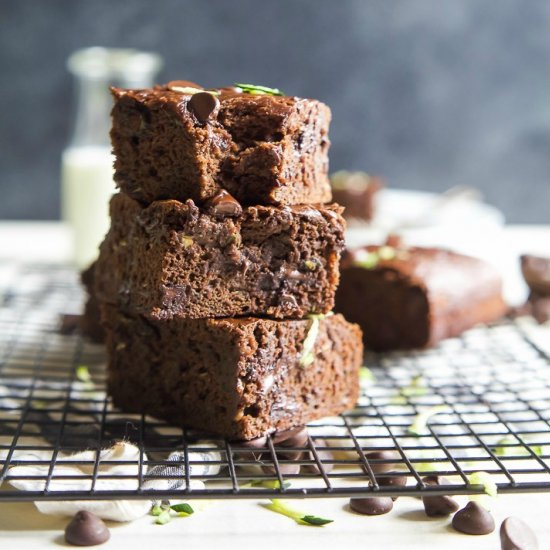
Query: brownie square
[
  {"x": 263, "y": 149},
  {"x": 239, "y": 378},
  {"x": 174, "y": 259},
  {"x": 405, "y": 298}
]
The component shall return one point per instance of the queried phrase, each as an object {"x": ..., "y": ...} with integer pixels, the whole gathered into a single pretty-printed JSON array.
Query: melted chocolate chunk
[
  {"x": 473, "y": 519},
  {"x": 203, "y": 105},
  {"x": 515, "y": 534},
  {"x": 371, "y": 506},
  {"x": 86, "y": 529},
  {"x": 223, "y": 205}
]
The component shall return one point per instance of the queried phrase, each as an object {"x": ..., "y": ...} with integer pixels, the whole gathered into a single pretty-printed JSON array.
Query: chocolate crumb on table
[
  {"x": 182, "y": 142},
  {"x": 413, "y": 297},
  {"x": 173, "y": 259}
]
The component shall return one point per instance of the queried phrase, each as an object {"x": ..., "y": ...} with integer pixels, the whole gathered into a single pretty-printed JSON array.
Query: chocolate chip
[
  {"x": 379, "y": 461},
  {"x": 515, "y": 534},
  {"x": 473, "y": 519},
  {"x": 435, "y": 480},
  {"x": 438, "y": 505},
  {"x": 371, "y": 506},
  {"x": 391, "y": 480},
  {"x": 296, "y": 437},
  {"x": 258, "y": 443},
  {"x": 536, "y": 272},
  {"x": 325, "y": 456},
  {"x": 86, "y": 529},
  {"x": 203, "y": 105},
  {"x": 223, "y": 205},
  {"x": 285, "y": 468}
]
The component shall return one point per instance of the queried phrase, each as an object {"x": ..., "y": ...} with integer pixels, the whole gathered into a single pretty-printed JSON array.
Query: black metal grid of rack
[{"x": 478, "y": 403}]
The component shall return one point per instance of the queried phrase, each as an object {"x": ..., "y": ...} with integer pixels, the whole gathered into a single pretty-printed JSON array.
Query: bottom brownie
[
  {"x": 406, "y": 298},
  {"x": 240, "y": 378}
]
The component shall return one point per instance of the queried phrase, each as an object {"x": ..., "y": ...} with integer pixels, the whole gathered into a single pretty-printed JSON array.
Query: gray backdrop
[{"x": 427, "y": 93}]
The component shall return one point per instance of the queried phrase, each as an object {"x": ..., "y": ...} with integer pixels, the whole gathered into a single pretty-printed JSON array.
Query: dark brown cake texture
[
  {"x": 180, "y": 141},
  {"x": 172, "y": 259},
  {"x": 414, "y": 297},
  {"x": 239, "y": 378},
  {"x": 356, "y": 192}
]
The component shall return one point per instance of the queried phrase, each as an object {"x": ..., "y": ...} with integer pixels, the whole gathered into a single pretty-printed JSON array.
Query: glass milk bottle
[{"x": 87, "y": 164}]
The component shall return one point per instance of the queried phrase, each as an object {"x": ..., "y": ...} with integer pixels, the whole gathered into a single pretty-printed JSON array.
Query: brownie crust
[
  {"x": 263, "y": 149},
  {"x": 238, "y": 378},
  {"x": 406, "y": 298},
  {"x": 173, "y": 259}
]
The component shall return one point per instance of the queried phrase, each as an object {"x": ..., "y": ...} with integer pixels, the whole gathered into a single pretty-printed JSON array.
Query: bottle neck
[{"x": 92, "y": 121}]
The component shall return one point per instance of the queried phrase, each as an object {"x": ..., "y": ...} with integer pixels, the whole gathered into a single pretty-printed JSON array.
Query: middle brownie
[{"x": 172, "y": 259}]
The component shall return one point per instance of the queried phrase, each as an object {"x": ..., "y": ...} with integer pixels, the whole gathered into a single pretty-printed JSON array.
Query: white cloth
[{"x": 117, "y": 510}]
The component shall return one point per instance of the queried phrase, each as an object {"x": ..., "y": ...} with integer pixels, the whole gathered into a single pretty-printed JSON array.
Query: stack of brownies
[{"x": 218, "y": 275}]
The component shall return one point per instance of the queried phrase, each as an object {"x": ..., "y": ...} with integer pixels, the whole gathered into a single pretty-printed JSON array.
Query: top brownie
[{"x": 181, "y": 142}]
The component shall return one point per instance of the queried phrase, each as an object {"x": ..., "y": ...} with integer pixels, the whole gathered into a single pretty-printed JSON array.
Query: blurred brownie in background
[
  {"x": 356, "y": 192},
  {"x": 410, "y": 297}
]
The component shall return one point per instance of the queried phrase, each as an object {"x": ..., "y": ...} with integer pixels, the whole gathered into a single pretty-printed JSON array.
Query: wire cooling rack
[{"x": 478, "y": 403}]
